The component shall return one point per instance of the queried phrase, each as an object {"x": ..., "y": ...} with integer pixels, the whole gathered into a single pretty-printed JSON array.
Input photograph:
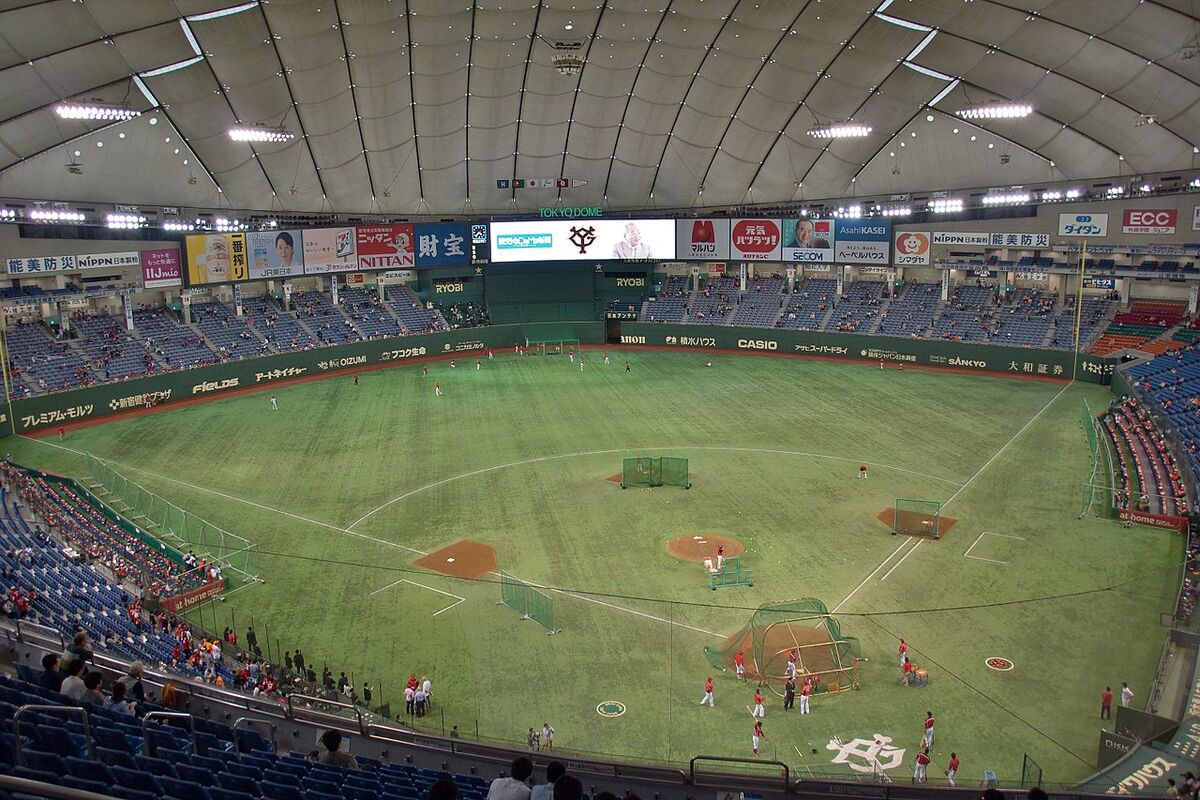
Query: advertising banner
[
  {"x": 442, "y": 244},
  {"x": 1166, "y": 521},
  {"x": 385, "y": 246},
  {"x": 1149, "y": 221},
  {"x": 1083, "y": 224},
  {"x": 275, "y": 254},
  {"x": 39, "y": 264},
  {"x": 756, "y": 240},
  {"x": 188, "y": 600},
  {"x": 863, "y": 241},
  {"x": 701, "y": 239},
  {"x": 593, "y": 240},
  {"x": 216, "y": 258},
  {"x": 329, "y": 250},
  {"x": 1020, "y": 240},
  {"x": 1196, "y": 218},
  {"x": 161, "y": 268},
  {"x": 971, "y": 239},
  {"x": 912, "y": 249},
  {"x": 808, "y": 241}
]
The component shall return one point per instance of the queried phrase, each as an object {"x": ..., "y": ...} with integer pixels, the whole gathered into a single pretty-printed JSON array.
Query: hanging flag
[
  {"x": 518, "y": 183},
  {"x": 562, "y": 183},
  {"x": 502, "y": 183}
]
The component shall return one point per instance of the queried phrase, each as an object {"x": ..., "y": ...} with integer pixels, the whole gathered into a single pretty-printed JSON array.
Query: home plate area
[
  {"x": 463, "y": 559},
  {"x": 993, "y": 548}
]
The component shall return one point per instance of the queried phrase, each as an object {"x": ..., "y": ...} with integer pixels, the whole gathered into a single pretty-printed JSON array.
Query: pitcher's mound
[
  {"x": 463, "y": 559},
  {"x": 615, "y": 478},
  {"x": 700, "y": 546},
  {"x": 886, "y": 516}
]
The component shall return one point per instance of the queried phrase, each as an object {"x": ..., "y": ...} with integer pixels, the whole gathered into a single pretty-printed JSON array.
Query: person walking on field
[
  {"x": 437, "y": 390},
  {"x": 757, "y": 735},
  {"x": 922, "y": 762},
  {"x": 862, "y": 471},
  {"x": 274, "y": 403},
  {"x": 1126, "y": 693},
  {"x": 708, "y": 692},
  {"x": 952, "y": 769},
  {"x": 1106, "y": 699},
  {"x": 758, "y": 711},
  {"x": 789, "y": 693},
  {"x": 805, "y": 691},
  {"x": 739, "y": 665},
  {"x": 547, "y": 736},
  {"x": 903, "y": 651},
  {"x": 929, "y": 723}
]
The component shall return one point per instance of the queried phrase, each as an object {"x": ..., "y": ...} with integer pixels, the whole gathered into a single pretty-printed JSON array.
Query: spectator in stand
[
  {"x": 117, "y": 701},
  {"x": 132, "y": 681},
  {"x": 545, "y": 791},
  {"x": 332, "y": 742},
  {"x": 443, "y": 789},
  {"x": 568, "y": 787},
  {"x": 73, "y": 687},
  {"x": 92, "y": 693},
  {"x": 51, "y": 679},
  {"x": 80, "y": 647},
  {"x": 513, "y": 788}
]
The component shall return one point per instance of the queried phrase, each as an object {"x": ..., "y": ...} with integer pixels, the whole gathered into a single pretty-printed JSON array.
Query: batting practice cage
[
  {"x": 527, "y": 601},
  {"x": 551, "y": 347},
  {"x": 775, "y": 630},
  {"x": 643, "y": 471},
  {"x": 917, "y": 517}
]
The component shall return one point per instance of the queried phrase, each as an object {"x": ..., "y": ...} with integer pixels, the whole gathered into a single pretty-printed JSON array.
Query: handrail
[
  {"x": 55, "y": 633},
  {"x": 38, "y": 789},
  {"x": 784, "y": 769},
  {"x": 291, "y": 711},
  {"x": 87, "y": 728},
  {"x": 191, "y": 721},
  {"x": 250, "y": 722}
]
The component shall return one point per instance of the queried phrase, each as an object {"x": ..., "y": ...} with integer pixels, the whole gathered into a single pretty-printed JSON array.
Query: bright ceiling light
[
  {"x": 177, "y": 225},
  {"x": 1014, "y": 199},
  {"x": 996, "y": 111},
  {"x": 56, "y": 215},
  {"x": 840, "y": 130},
  {"x": 101, "y": 111},
  {"x": 7, "y": 214},
  {"x": 260, "y": 133},
  {"x": 124, "y": 221},
  {"x": 946, "y": 205}
]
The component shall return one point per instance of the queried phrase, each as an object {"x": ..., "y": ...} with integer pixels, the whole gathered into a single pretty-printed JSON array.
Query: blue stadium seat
[
  {"x": 115, "y": 758},
  {"x": 226, "y": 794},
  {"x": 133, "y": 779},
  {"x": 279, "y": 791},
  {"x": 237, "y": 783},
  {"x": 98, "y": 787},
  {"x": 88, "y": 770},
  {"x": 195, "y": 775},
  {"x": 251, "y": 771},
  {"x": 185, "y": 790}
]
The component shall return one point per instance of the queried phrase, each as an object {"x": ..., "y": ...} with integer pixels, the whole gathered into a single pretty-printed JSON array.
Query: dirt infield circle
[
  {"x": 463, "y": 559},
  {"x": 700, "y": 546},
  {"x": 887, "y": 515}
]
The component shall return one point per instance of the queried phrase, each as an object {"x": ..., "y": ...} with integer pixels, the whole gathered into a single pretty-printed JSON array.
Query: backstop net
[
  {"x": 802, "y": 626},
  {"x": 172, "y": 524},
  {"x": 551, "y": 347},
  {"x": 527, "y": 601},
  {"x": 645, "y": 471},
  {"x": 917, "y": 517}
]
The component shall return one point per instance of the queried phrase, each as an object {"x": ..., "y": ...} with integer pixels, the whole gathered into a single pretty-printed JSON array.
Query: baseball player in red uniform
[
  {"x": 793, "y": 654},
  {"x": 922, "y": 763},
  {"x": 758, "y": 711},
  {"x": 805, "y": 691},
  {"x": 758, "y": 734},
  {"x": 952, "y": 769},
  {"x": 739, "y": 665},
  {"x": 929, "y": 722},
  {"x": 720, "y": 555},
  {"x": 903, "y": 652},
  {"x": 708, "y": 695}
]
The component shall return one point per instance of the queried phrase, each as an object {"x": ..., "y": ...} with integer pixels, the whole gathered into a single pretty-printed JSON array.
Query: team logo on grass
[
  {"x": 611, "y": 708},
  {"x": 872, "y": 756},
  {"x": 999, "y": 664}
]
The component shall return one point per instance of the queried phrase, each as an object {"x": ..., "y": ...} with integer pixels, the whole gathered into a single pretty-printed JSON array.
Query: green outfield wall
[
  {"x": 984, "y": 358},
  {"x": 63, "y": 408}
]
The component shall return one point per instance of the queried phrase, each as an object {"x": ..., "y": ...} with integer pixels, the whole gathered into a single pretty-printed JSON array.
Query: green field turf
[{"x": 345, "y": 485}]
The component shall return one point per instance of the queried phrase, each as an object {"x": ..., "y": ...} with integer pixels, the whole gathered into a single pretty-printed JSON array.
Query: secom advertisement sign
[
  {"x": 863, "y": 241},
  {"x": 808, "y": 241},
  {"x": 590, "y": 240}
]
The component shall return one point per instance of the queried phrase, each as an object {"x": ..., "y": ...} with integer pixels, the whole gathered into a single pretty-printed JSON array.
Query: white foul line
[
  {"x": 967, "y": 554},
  {"x": 423, "y": 586},
  {"x": 901, "y": 561},
  {"x": 970, "y": 480},
  {"x": 882, "y": 564}
]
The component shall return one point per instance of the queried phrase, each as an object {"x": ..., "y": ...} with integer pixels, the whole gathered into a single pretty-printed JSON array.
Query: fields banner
[
  {"x": 863, "y": 241},
  {"x": 701, "y": 239},
  {"x": 756, "y": 240},
  {"x": 161, "y": 268},
  {"x": 275, "y": 254},
  {"x": 1165, "y": 521},
  {"x": 969, "y": 239},
  {"x": 1149, "y": 221},
  {"x": 34, "y": 265},
  {"x": 329, "y": 250},
  {"x": 216, "y": 258},
  {"x": 385, "y": 246},
  {"x": 912, "y": 249},
  {"x": 442, "y": 244},
  {"x": 808, "y": 241},
  {"x": 189, "y": 600}
]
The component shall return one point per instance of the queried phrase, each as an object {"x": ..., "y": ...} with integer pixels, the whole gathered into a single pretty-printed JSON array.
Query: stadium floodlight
[
  {"x": 260, "y": 133},
  {"x": 7, "y": 214},
  {"x": 100, "y": 111},
  {"x": 51, "y": 215},
  {"x": 897, "y": 211},
  {"x": 177, "y": 226},
  {"x": 124, "y": 221},
  {"x": 1048, "y": 196},
  {"x": 839, "y": 130},
  {"x": 1014, "y": 199},
  {"x": 947, "y": 205},
  {"x": 996, "y": 111}
]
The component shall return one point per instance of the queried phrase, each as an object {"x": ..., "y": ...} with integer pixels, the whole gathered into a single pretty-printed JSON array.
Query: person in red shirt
[
  {"x": 929, "y": 721},
  {"x": 1106, "y": 703},
  {"x": 62, "y": 432},
  {"x": 793, "y": 654},
  {"x": 922, "y": 763},
  {"x": 412, "y": 682},
  {"x": 739, "y": 665},
  {"x": 805, "y": 691},
  {"x": 907, "y": 677},
  {"x": 758, "y": 711},
  {"x": 720, "y": 555},
  {"x": 952, "y": 769},
  {"x": 757, "y": 735},
  {"x": 862, "y": 471},
  {"x": 708, "y": 695},
  {"x": 903, "y": 652}
]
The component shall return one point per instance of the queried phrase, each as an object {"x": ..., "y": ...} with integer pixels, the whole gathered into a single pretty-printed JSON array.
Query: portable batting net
[
  {"x": 528, "y": 601},
  {"x": 551, "y": 347},
  {"x": 774, "y": 631},
  {"x": 917, "y": 517},
  {"x": 644, "y": 471}
]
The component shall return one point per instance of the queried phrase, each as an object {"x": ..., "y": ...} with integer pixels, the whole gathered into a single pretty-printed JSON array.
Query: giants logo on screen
[{"x": 755, "y": 238}]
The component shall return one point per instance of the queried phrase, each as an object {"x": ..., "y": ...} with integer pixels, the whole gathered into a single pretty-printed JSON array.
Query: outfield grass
[{"x": 345, "y": 485}]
